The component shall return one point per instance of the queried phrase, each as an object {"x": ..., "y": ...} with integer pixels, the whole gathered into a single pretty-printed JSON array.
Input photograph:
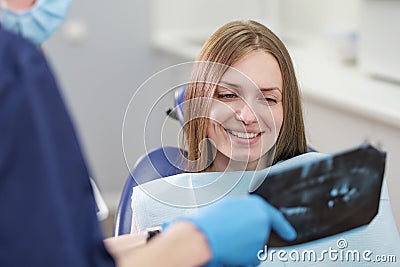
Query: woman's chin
[{"x": 245, "y": 159}]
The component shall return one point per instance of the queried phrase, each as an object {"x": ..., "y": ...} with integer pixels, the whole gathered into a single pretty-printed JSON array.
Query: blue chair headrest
[{"x": 179, "y": 99}]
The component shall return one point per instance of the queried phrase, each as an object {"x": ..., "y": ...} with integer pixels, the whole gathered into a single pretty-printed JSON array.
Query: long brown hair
[{"x": 226, "y": 46}]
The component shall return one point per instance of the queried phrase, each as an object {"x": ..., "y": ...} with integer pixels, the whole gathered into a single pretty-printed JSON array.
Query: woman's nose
[{"x": 246, "y": 114}]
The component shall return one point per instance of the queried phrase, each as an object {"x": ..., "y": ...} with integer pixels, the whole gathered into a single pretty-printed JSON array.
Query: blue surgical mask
[{"x": 38, "y": 22}]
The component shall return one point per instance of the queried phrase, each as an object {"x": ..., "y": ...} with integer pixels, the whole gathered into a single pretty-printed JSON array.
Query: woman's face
[{"x": 247, "y": 113}]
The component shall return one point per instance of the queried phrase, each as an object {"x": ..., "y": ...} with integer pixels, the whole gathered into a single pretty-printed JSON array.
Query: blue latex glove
[{"x": 236, "y": 228}]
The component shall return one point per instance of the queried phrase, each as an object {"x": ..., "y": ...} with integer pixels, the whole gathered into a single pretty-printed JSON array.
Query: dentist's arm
[
  {"x": 182, "y": 244},
  {"x": 230, "y": 232}
]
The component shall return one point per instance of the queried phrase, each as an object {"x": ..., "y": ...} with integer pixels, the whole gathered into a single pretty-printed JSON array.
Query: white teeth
[{"x": 244, "y": 135}]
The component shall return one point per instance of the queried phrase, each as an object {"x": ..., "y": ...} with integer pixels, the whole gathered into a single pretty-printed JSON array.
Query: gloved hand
[{"x": 236, "y": 228}]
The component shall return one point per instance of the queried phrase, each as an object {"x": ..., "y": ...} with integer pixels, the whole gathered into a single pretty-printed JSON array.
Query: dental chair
[{"x": 159, "y": 162}]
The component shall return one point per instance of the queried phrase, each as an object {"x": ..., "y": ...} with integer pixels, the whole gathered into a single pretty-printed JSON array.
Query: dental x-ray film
[{"x": 327, "y": 196}]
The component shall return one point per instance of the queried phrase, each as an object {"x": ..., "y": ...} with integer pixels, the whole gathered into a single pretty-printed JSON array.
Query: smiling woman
[
  {"x": 243, "y": 109},
  {"x": 246, "y": 118}
]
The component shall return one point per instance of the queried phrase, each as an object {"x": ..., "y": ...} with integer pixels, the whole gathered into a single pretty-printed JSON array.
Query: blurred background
[{"x": 345, "y": 54}]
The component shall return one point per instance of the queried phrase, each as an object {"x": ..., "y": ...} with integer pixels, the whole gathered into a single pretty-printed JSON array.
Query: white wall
[
  {"x": 206, "y": 14},
  {"x": 308, "y": 16},
  {"x": 319, "y": 17}
]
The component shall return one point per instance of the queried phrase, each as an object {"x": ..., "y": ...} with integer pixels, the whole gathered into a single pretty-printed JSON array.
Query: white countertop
[{"x": 322, "y": 77}]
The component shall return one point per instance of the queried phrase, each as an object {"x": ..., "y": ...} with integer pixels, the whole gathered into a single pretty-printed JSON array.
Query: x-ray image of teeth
[{"x": 327, "y": 196}]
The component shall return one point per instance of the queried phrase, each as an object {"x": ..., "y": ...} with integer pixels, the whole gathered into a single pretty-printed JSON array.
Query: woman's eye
[
  {"x": 271, "y": 101},
  {"x": 226, "y": 96}
]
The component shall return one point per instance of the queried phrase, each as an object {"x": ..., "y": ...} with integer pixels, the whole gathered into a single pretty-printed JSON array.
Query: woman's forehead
[{"x": 257, "y": 69}]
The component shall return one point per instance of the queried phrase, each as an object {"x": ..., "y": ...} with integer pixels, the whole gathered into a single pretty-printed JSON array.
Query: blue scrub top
[{"x": 48, "y": 215}]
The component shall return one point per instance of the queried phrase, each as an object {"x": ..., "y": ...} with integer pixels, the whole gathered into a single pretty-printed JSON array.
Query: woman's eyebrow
[
  {"x": 238, "y": 87},
  {"x": 271, "y": 89},
  {"x": 230, "y": 85}
]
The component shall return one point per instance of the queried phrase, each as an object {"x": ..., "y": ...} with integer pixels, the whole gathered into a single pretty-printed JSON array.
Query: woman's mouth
[
  {"x": 247, "y": 138},
  {"x": 243, "y": 135}
]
